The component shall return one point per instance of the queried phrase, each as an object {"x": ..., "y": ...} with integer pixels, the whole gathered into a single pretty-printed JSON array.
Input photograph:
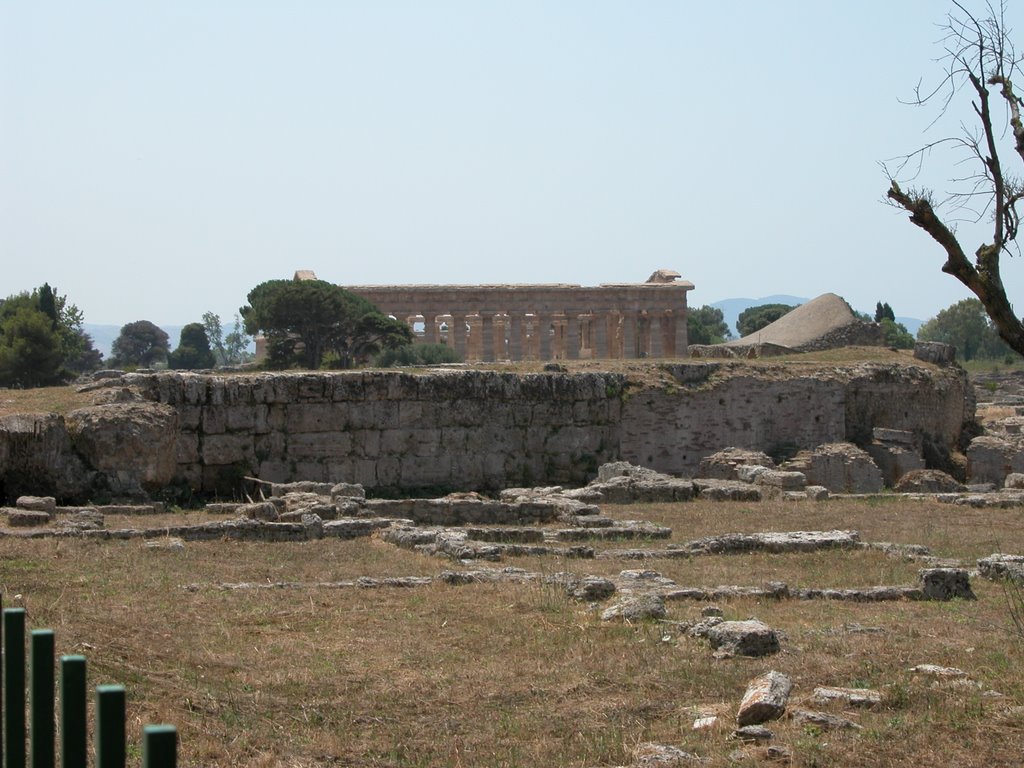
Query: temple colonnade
[{"x": 542, "y": 322}]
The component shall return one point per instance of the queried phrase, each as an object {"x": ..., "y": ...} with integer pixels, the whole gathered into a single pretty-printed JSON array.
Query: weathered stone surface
[
  {"x": 753, "y": 733},
  {"x": 928, "y": 481},
  {"x": 652, "y": 755},
  {"x": 623, "y": 483},
  {"x": 46, "y": 504},
  {"x": 946, "y": 584},
  {"x": 261, "y": 510},
  {"x": 132, "y": 444},
  {"x": 590, "y": 589},
  {"x": 823, "y": 720},
  {"x": 80, "y": 520},
  {"x": 347, "y": 491},
  {"x": 935, "y": 352},
  {"x": 26, "y": 518},
  {"x": 765, "y": 699},
  {"x": 817, "y": 492},
  {"x": 744, "y": 638},
  {"x": 990, "y": 459},
  {"x": 782, "y": 480},
  {"x": 848, "y": 697},
  {"x": 726, "y": 464},
  {"x": 726, "y": 490},
  {"x": 840, "y": 467},
  {"x": 37, "y": 458},
  {"x": 303, "y": 487},
  {"x": 937, "y": 671},
  {"x": 774, "y": 541},
  {"x": 638, "y": 607},
  {"x": 1002, "y": 566}
]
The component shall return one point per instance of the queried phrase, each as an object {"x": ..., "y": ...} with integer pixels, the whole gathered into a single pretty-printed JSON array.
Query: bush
[{"x": 417, "y": 354}]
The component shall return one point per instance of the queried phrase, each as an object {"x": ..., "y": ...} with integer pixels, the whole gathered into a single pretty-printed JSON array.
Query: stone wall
[{"x": 465, "y": 430}]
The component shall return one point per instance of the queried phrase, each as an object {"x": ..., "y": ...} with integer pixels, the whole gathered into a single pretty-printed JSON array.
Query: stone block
[
  {"x": 319, "y": 446},
  {"x": 46, "y": 504},
  {"x": 782, "y": 480},
  {"x": 316, "y": 417},
  {"x": 765, "y": 699},
  {"x": 946, "y": 584},
  {"x": 214, "y": 420},
  {"x": 26, "y": 518},
  {"x": 186, "y": 450},
  {"x": 744, "y": 638},
  {"x": 227, "y": 449}
]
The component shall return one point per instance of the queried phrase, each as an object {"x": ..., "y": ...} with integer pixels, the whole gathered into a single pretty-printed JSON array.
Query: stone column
[
  {"x": 630, "y": 335},
  {"x": 599, "y": 334},
  {"x": 430, "y": 327},
  {"x": 572, "y": 336},
  {"x": 682, "y": 340},
  {"x": 656, "y": 331},
  {"x": 457, "y": 332},
  {"x": 487, "y": 336},
  {"x": 515, "y": 336},
  {"x": 544, "y": 336}
]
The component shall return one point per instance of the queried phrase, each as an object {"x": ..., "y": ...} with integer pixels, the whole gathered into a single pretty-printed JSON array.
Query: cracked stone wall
[{"x": 466, "y": 429}]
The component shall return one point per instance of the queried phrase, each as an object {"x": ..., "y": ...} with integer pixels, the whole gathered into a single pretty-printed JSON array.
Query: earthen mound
[{"x": 822, "y": 323}]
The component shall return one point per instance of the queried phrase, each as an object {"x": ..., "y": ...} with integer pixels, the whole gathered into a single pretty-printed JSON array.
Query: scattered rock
[
  {"x": 851, "y": 697},
  {"x": 765, "y": 699},
  {"x": 728, "y": 463},
  {"x": 260, "y": 510},
  {"x": 946, "y": 584},
  {"x": 1002, "y": 566},
  {"x": 928, "y": 481},
  {"x": 636, "y": 608},
  {"x": 823, "y": 720},
  {"x": 840, "y": 467},
  {"x": 743, "y": 638},
  {"x": 46, "y": 504},
  {"x": 753, "y": 733},
  {"x": 170, "y": 543},
  {"x": 659, "y": 755}
]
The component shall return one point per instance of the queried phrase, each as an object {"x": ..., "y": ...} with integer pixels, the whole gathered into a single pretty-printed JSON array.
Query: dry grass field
[{"x": 519, "y": 675}]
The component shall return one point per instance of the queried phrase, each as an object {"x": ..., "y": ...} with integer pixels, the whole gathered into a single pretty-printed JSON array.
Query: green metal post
[
  {"x": 41, "y": 728},
  {"x": 14, "y": 687},
  {"x": 73, "y": 718},
  {"x": 110, "y": 730},
  {"x": 159, "y": 746}
]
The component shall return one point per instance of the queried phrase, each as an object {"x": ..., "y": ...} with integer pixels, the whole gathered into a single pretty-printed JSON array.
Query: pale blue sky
[{"x": 158, "y": 160}]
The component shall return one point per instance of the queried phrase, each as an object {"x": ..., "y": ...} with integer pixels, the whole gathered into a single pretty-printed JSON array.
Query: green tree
[
  {"x": 967, "y": 327},
  {"x": 304, "y": 320},
  {"x": 30, "y": 352},
  {"x": 215, "y": 336},
  {"x": 706, "y": 325},
  {"x": 753, "y": 319},
  {"x": 193, "y": 349},
  {"x": 978, "y": 65},
  {"x": 895, "y": 334},
  {"x": 884, "y": 311},
  {"x": 140, "y": 344},
  {"x": 236, "y": 345},
  {"x": 43, "y": 360}
]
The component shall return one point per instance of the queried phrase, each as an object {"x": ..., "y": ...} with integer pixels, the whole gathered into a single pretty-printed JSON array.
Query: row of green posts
[{"x": 159, "y": 742}]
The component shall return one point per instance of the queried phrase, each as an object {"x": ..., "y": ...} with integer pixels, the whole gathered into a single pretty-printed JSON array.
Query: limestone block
[
  {"x": 1014, "y": 480},
  {"x": 319, "y": 445},
  {"x": 239, "y": 417},
  {"x": 136, "y": 439},
  {"x": 1003, "y": 566},
  {"x": 894, "y": 460},
  {"x": 262, "y": 510},
  {"x": 636, "y": 608},
  {"x": 226, "y": 449},
  {"x": 186, "y": 450},
  {"x": 46, "y": 504},
  {"x": 725, "y": 464},
  {"x": 782, "y": 480},
  {"x": 744, "y": 638},
  {"x": 990, "y": 459},
  {"x": 26, "y": 518},
  {"x": 848, "y": 697},
  {"x": 765, "y": 699},
  {"x": 929, "y": 481},
  {"x": 935, "y": 352},
  {"x": 303, "y": 417},
  {"x": 190, "y": 417},
  {"x": 946, "y": 583},
  {"x": 823, "y": 720},
  {"x": 214, "y": 420},
  {"x": 347, "y": 491},
  {"x": 840, "y": 467},
  {"x": 817, "y": 493}
]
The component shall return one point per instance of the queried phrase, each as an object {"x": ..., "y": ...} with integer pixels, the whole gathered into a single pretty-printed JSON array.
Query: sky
[{"x": 160, "y": 159}]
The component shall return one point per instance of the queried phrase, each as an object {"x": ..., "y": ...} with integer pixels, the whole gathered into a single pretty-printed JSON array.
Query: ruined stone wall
[
  {"x": 460, "y": 430},
  {"x": 463, "y": 430},
  {"x": 779, "y": 409}
]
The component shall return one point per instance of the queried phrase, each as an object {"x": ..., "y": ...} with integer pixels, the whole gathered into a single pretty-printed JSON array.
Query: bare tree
[{"x": 980, "y": 63}]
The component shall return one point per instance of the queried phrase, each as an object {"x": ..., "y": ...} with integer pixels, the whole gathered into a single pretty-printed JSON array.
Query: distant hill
[{"x": 731, "y": 309}]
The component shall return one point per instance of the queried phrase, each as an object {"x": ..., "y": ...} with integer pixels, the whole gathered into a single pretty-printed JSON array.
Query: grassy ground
[{"x": 517, "y": 675}]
